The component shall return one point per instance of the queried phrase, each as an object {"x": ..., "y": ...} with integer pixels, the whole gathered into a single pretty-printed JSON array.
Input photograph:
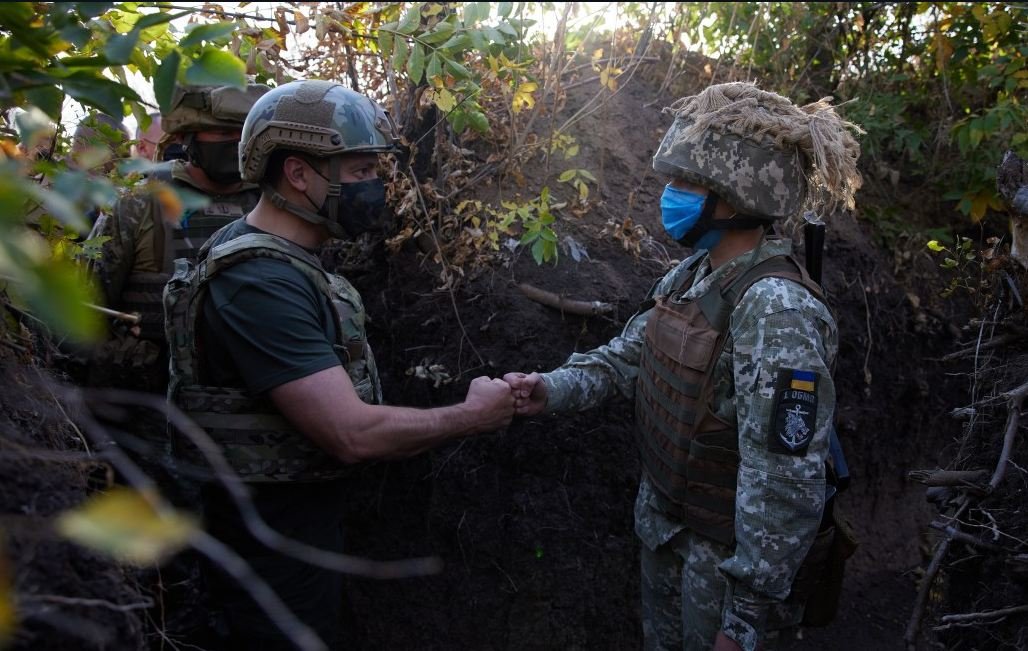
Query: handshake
[{"x": 493, "y": 402}]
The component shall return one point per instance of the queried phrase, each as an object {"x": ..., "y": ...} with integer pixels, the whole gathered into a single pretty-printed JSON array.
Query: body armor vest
[
  {"x": 691, "y": 455},
  {"x": 259, "y": 444},
  {"x": 143, "y": 289}
]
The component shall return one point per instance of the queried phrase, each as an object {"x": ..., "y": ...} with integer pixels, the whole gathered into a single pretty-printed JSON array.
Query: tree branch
[
  {"x": 1015, "y": 400},
  {"x": 568, "y": 306}
]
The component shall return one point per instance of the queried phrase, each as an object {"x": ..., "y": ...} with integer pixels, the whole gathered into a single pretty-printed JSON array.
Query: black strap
[{"x": 707, "y": 222}]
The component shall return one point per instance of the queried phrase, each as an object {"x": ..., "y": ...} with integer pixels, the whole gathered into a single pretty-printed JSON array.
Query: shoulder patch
[{"x": 794, "y": 417}]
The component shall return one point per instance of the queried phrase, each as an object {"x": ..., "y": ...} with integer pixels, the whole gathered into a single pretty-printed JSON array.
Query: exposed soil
[{"x": 534, "y": 524}]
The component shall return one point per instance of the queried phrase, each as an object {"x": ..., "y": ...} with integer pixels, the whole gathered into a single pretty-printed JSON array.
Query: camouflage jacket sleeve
[
  {"x": 117, "y": 254},
  {"x": 778, "y": 329},
  {"x": 589, "y": 379}
]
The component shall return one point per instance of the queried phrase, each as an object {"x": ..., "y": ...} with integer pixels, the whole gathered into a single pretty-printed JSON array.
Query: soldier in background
[
  {"x": 98, "y": 132},
  {"x": 148, "y": 139},
  {"x": 729, "y": 365},
  {"x": 146, "y": 234},
  {"x": 270, "y": 354}
]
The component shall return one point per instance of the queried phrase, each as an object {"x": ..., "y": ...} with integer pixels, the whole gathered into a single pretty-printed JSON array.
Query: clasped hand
[{"x": 495, "y": 401}]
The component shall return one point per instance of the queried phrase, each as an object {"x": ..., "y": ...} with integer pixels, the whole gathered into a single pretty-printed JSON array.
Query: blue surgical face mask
[{"x": 680, "y": 210}]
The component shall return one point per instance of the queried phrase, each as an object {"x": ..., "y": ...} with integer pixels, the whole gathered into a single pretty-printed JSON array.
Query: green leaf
[
  {"x": 164, "y": 80},
  {"x": 935, "y": 246},
  {"x": 494, "y": 35},
  {"x": 92, "y": 9},
  {"x": 457, "y": 70},
  {"x": 440, "y": 33},
  {"x": 51, "y": 288},
  {"x": 458, "y": 43},
  {"x": 385, "y": 41},
  {"x": 410, "y": 22},
  {"x": 539, "y": 251},
  {"x": 400, "y": 52},
  {"x": 510, "y": 30},
  {"x": 479, "y": 40},
  {"x": 416, "y": 63},
  {"x": 566, "y": 176},
  {"x": 159, "y": 18},
  {"x": 478, "y": 121},
  {"x": 503, "y": 9},
  {"x": 529, "y": 236},
  {"x": 119, "y": 47},
  {"x": 98, "y": 92},
  {"x": 75, "y": 34},
  {"x": 459, "y": 121},
  {"x": 49, "y": 99},
  {"x": 587, "y": 174},
  {"x": 434, "y": 68},
  {"x": 217, "y": 68},
  {"x": 550, "y": 250},
  {"x": 209, "y": 32}
]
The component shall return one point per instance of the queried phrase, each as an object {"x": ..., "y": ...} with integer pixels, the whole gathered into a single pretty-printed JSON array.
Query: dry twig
[
  {"x": 987, "y": 616},
  {"x": 565, "y": 305},
  {"x": 1015, "y": 400},
  {"x": 910, "y": 635}
]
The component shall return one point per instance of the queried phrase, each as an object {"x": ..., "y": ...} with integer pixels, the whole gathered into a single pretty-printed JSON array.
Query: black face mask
[
  {"x": 218, "y": 160},
  {"x": 359, "y": 208}
]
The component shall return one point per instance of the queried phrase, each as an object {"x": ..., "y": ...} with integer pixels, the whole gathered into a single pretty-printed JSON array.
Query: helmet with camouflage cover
[
  {"x": 322, "y": 120},
  {"x": 196, "y": 108},
  {"x": 766, "y": 156}
]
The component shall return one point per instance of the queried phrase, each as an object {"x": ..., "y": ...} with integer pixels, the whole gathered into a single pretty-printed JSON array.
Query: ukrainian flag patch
[
  {"x": 794, "y": 418},
  {"x": 803, "y": 380}
]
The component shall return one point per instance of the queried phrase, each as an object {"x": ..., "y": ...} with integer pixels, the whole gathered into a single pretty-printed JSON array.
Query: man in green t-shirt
[{"x": 269, "y": 352}]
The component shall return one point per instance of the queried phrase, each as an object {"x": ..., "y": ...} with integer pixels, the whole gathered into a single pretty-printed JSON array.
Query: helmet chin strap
[
  {"x": 707, "y": 222},
  {"x": 331, "y": 223}
]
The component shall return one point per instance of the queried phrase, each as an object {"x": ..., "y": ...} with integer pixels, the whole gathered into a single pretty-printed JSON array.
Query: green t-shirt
[{"x": 264, "y": 323}]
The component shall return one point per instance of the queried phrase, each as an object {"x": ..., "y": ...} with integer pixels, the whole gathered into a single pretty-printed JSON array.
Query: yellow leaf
[
  {"x": 121, "y": 523},
  {"x": 302, "y": 24},
  {"x": 171, "y": 205},
  {"x": 943, "y": 51},
  {"x": 935, "y": 246},
  {"x": 444, "y": 100},
  {"x": 8, "y": 612},
  {"x": 978, "y": 207},
  {"x": 523, "y": 96}
]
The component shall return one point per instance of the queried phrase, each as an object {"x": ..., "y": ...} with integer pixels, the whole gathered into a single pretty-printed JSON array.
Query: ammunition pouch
[{"x": 818, "y": 583}]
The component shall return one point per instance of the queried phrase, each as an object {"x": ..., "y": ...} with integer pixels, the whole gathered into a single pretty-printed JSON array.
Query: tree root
[
  {"x": 566, "y": 305},
  {"x": 1015, "y": 402},
  {"x": 960, "y": 478},
  {"x": 987, "y": 616}
]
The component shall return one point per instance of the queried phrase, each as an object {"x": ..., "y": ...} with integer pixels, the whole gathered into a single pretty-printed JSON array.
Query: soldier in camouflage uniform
[
  {"x": 146, "y": 234},
  {"x": 729, "y": 365},
  {"x": 270, "y": 355}
]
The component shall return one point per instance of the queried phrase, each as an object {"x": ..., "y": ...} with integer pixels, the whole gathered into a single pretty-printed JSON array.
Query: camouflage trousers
[{"x": 682, "y": 593}]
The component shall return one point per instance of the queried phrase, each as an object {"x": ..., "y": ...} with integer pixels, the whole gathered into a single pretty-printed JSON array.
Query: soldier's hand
[
  {"x": 529, "y": 393},
  {"x": 492, "y": 403},
  {"x": 724, "y": 643}
]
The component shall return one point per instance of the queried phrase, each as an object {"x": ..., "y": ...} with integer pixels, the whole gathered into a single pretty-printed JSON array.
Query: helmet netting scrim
[{"x": 816, "y": 130}]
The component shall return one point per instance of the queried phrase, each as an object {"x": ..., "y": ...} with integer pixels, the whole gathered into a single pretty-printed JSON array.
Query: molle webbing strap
[
  {"x": 259, "y": 446},
  {"x": 143, "y": 293}
]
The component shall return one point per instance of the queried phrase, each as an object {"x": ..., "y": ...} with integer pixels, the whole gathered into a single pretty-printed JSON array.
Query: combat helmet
[
  {"x": 766, "y": 156},
  {"x": 196, "y": 108},
  {"x": 321, "y": 119}
]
